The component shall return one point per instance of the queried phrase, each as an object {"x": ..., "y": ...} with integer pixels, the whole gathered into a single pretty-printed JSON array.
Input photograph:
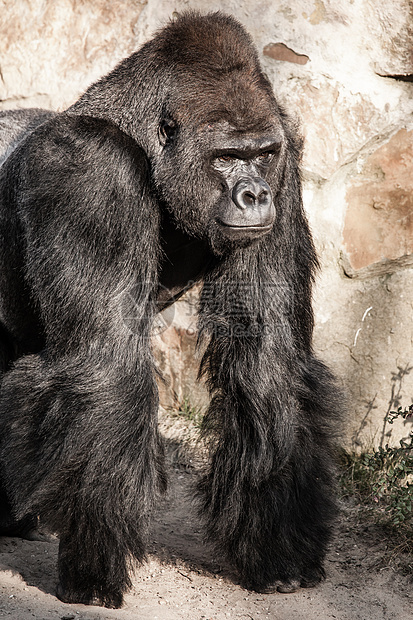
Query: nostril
[
  {"x": 263, "y": 197},
  {"x": 249, "y": 199}
]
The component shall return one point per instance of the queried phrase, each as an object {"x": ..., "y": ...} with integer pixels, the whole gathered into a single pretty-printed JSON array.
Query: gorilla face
[
  {"x": 246, "y": 210},
  {"x": 219, "y": 181}
]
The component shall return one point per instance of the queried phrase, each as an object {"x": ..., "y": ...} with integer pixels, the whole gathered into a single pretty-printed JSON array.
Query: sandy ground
[{"x": 184, "y": 581}]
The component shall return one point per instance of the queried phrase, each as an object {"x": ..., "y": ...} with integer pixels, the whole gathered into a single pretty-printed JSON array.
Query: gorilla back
[{"x": 179, "y": 166}]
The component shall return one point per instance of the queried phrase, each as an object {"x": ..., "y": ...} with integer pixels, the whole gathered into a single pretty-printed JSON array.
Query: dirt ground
[{"x": 183, "y": 580}]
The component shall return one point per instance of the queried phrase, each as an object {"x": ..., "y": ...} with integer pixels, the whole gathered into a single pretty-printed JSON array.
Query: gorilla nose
[
  {"x": 250, "y": 213},
  {"x": 252, "y": 193}
]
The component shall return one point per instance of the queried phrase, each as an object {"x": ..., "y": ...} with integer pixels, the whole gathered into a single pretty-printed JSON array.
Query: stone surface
[
  {"x": 393, "y": 31},
  {"x": 364, "y": 332},
  {"x": 51, "y": 50},
  {"x": 342, "y": 69},
  {"x": 379, "y": 218},
  {"x": 178, "y": 357}
]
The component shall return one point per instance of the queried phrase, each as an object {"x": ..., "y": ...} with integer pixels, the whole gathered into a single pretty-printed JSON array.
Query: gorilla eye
[
  {"x": 226, "y": 158},
  {"x": 266, "y": 156}
]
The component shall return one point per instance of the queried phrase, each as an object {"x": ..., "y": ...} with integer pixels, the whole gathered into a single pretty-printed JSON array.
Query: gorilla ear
[{"x": 167, "y": 130}]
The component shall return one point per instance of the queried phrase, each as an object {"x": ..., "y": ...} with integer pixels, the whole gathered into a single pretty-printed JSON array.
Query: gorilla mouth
[
  {"x": 243, "y": 231},
  {"x": 245, "y": 227}
]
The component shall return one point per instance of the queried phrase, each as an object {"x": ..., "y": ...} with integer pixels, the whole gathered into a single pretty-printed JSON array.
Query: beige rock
[{"x": 379, "y": 218}]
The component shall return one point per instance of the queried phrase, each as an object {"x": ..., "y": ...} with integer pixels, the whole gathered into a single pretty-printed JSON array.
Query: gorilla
[{"x": 177, "y": 167}]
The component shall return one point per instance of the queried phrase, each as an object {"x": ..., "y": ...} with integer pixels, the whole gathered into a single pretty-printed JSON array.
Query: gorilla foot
[
  {"x": 23, "y": 528},
  {"x": 111, "y": 601},
  {"x": 35, "y": 534},
  {"x": 288, "y": 586},
  {"x": 26, "y": 528},
  {"x": 313, "y": 578}
]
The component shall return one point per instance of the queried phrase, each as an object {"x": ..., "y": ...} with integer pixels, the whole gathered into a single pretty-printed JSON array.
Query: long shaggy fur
[
  {"x": 98, "y": 208},
  {"x": 268, "y": 495}
]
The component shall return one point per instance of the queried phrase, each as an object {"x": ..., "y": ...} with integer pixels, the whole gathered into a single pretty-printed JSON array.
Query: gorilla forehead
[{"x": 243, "y": 105}]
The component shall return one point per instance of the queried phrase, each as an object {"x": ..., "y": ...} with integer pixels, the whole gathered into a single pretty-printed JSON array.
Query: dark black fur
[{"x": 118, "y": 191}]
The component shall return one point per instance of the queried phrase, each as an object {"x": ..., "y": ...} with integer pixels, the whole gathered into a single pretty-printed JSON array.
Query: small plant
[
  {"x": 190, "y": 413},
  {"x": 382, "y": 480}
]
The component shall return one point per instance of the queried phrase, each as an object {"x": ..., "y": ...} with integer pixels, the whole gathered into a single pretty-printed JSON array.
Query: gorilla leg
[
  {"x": 268, "y": 494},
  {"x": 81, "y": 448},
  {"x": 9, "y": 526}
]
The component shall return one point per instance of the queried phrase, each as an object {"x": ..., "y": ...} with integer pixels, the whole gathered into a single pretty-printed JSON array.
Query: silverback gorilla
[{"x": 177, "y": 167}]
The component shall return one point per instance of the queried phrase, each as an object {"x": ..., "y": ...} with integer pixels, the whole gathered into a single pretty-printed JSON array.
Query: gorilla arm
[
  {"x": 81, "y": 414},
  {"x": 267, "y": 496}
]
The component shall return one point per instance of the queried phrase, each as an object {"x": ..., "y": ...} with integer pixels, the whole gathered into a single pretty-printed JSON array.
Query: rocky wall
[{"x": 344, "y": 69}]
